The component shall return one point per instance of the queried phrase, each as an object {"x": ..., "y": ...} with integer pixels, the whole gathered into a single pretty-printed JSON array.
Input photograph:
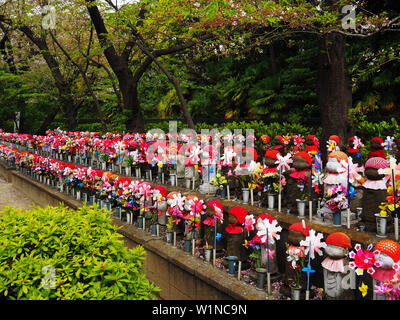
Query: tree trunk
[{"x": 333, "y": 89}]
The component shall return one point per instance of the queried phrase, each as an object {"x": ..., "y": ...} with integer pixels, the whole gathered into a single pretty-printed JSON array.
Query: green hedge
[{"x": 86, "y": 258}]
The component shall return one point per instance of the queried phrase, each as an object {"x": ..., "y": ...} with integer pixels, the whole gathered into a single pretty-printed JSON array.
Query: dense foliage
[
  {"x": 258, "y": 66},
  {"x": 60, "y": 253}
]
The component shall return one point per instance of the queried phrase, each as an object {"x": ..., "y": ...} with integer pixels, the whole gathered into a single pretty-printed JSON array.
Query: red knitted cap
[
  {"x": 239, "y": 212},
  {"x": 252, "y": 151},
  {"x": 280, "y": 138},
  {"x": 265, "y": 139},
  {"x": 272, "y": 154},
  {"x": 380, "y": 140},
  {"x": 389, "y": 247},
  {"x": 264, "y": 216},
  {"x": 215, "y": 203},
  {"x": 304, "y": 155},
  {"x": 162, "y": 191},
  {"x": 298, "y": 226},
  {"x": 335, "y": 138},
  {"x": 339, "y": 239}
]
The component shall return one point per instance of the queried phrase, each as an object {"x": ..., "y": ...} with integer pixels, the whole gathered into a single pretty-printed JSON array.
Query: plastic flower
[
  {"x": 331, "y": 145},
  {"x": 363, "y": 260},
  {"x": 363, "y": 288},
  {"x": 269, "y": 253}
]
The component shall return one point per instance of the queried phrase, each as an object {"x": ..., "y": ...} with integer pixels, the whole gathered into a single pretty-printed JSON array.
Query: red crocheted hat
[
  {"x": 265, "y": 139},
  {"x": 389, "y": 247},
  {"x": 264, "y": 216},
  {"x": 280, "y": 138},
  {"x": 251, "y": 151},
  {"x": 304, "y": 155},
  {"x": 272, "y": 154},
  {"x": 376, "y": 163},
  {"x": 239, "y": 212},
  {"x": 171, "y": 194},
  {"x": 298, "y": 226},
  {"x": 380, "y": 140},
  {"x": 215, "y": 204},
  {"x": 339, "y": 239},
  {"x": 162, "y": 191},
  {"x": 335, "y": 138}
]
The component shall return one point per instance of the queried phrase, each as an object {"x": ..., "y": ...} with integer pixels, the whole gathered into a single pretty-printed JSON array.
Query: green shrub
[{"x": 82, "y": 247}]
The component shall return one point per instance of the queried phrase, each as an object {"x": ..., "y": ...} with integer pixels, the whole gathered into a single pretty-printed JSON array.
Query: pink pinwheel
[
  {"x": 145, "y": 189},
  {"x": 284, "y": 162},
  {"x": 79, "y": 173},
  {"x": 270, "y": 253},
  {"x": 298, "y": 140},
  {"x": 67, "y": 171},
  {"x": 249, "y": 223},
  {"x": 363, "y": 260},
  {"x": 357, "y": 143},
  {"x": 197, "y": 207},
  {"x": 354, "y": 169},
  {"x": 313, "y": 241}
]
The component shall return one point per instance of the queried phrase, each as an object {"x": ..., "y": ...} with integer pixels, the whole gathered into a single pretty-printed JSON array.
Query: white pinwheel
[
  {"x": 313, "y": 240},
  {"x": 273, "y": 229},
  {"x": 228, "y": 156},
  {"x": 284, "y": 162},
  {"x": 194, "y": 154},
  {"x": 178, "y": 201}
]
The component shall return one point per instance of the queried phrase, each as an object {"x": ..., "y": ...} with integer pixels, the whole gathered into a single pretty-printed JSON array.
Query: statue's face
[
  {"x": 372, "y": 174},
  {"x": 270, "y": 162},
  {"x": 335, "y": 252},
  {"x": 209, "y": 211},
  {"x": 232, "y": 219},
  {"x": 295, "y": 237},
  {"x": 300, "y": 163},
  {"x": 384, "y": 261},
  {"x": 277, "y": 141},
  {"x": 333, "y": 165},
  {"x": 309, "y": 142},
  {"x": 375, "y": 144}
]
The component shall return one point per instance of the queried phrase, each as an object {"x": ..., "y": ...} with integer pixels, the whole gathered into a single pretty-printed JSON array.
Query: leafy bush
[{"x": 83, "y": 249}]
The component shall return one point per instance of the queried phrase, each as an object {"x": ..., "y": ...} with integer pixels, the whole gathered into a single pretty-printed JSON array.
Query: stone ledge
[{"x": 196, "y": 267}]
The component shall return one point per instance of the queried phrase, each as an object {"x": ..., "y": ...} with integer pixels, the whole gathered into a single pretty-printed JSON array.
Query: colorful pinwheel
[{"x": 363, "y": 260}]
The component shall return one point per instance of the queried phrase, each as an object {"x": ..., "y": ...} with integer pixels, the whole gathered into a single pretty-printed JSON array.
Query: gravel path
[{"x": 9, "y": 196}]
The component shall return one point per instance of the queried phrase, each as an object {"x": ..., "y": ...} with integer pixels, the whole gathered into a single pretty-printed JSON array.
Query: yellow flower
[
  {"x": 363, "y": 289},
  {"x": 383, "y": 213},
  {"x": 160, "y": 164}
]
